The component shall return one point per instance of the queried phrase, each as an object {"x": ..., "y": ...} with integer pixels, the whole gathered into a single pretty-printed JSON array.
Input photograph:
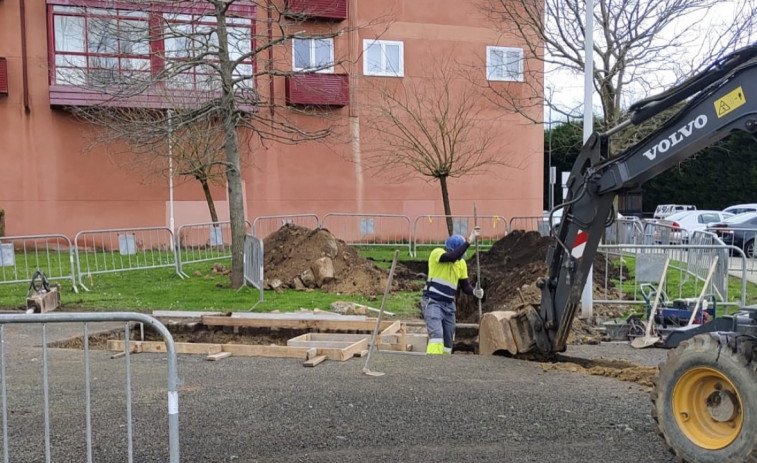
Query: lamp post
[
  {"x": 587, "y": 300},
  {"x": 171, "y": 223}
]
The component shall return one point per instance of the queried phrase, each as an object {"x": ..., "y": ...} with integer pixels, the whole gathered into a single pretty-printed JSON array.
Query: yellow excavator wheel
[
  {"x": 708, "y": 408},
  {"x": 705, "y": 399}
]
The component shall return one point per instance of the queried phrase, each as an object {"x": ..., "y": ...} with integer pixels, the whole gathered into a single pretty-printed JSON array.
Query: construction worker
[{"x": 447, "y": 271}]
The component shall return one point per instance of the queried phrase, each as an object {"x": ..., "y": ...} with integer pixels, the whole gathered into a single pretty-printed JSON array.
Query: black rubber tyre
[
  {"x": 701, "y": 372},
  {"x": 749, "y": 249}
]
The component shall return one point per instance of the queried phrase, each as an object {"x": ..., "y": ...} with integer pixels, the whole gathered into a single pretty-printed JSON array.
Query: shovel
[
  {"x": 367, "y": 370},
  {"x": 649, "y": 340}
]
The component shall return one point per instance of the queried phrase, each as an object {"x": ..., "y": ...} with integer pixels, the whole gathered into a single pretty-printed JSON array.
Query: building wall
[{"x": 53, "y": 181}]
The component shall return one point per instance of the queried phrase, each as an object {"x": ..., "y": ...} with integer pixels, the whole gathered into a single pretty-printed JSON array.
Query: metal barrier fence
[
  {"x": 253, "y": 263},
  {"x": 21, "y": 256},
  {"x": 431, "y": 230},
  {"x": 265, "y": 225},
  {"x": 530, "y": 223},
  {"x": 624, "y": 231},
  {"x": 690, "y": 262},
  {"x": 202, "y": 242},
  {"x": 118, "y": 250},
  {"x": 13, "y": 383},
  {"x": 370, "y": 229}
]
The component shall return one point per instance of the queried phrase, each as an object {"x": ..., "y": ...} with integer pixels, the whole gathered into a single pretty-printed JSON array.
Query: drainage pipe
[{"x": 24, "y": 64}]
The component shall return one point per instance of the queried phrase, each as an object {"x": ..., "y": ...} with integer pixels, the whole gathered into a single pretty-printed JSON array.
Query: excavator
[{"x": 704, "y": 398}]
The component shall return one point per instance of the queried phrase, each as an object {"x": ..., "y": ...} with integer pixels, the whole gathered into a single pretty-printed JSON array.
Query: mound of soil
[
  {"x": 301, "y": 258},
  {"x": 509, "y": 272},
  {"x": 295, "y": 257}
]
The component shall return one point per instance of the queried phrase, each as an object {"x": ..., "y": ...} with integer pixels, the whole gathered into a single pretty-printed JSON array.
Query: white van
[
  {"x": 741, "y": 208},
  {"x": 664, "y": 210}
]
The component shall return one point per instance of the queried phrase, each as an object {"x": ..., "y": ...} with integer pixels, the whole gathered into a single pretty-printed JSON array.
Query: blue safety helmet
[{"x": 454, "y": 242}]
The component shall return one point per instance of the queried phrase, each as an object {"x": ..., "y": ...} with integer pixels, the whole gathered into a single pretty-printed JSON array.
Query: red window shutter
[{"x": 3, "y": 76}]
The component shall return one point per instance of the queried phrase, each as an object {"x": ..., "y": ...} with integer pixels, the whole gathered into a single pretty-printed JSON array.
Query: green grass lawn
[
  {"x": 163, "y": 289},
  {"x": 675, "y": 279}
]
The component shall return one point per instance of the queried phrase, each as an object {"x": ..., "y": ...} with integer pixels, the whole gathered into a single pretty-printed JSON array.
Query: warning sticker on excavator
[
  {"x": 579, "y": 244},
  {"x": 729, "y": 102}
]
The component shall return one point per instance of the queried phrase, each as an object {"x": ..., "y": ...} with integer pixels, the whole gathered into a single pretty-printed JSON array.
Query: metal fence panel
[
  {"x": 431, "y": 230},
  {"x": 118, "y": 250},
  {"x": 530, "y": 223},
  {"x": 370, "y": 229},
  {"x": 253, "y": 263},
  {"x": 21, "y": 256},
  {"x": 624, "y": 231},
  {"x": 11, "y": 383},
  {"x": 265, "y": 225},
  {"x": 691, "y": 262},
  {"x": 203, "y": 242}
]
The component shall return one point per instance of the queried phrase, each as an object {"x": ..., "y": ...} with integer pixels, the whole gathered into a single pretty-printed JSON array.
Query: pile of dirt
[
  {"x": 300, "y": 258},
  {"x": 509, "y": 272}
]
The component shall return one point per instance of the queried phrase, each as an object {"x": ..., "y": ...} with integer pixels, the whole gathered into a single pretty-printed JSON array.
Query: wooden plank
[
  {"x": 321, "y": 344},
  {"x": 134, "y": 346},
  {"x": 218, "y": 356},
  {"x": 302, "y": 324},
  {"x": 247, "y": 350},
  {"x": 307, "y": 315},
  {"x": 150, "y": 347},
  {"x": 197, "y": 348},
  {"x": 354, "y": 349},
  {"x": 344, "y": 337},
  {"x": 182, "y": 314},
  {"x": 392, "y": 329},
  {"x": 315, "y": 361}
]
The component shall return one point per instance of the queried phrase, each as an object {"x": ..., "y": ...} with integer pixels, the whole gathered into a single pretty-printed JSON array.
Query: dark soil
[
  {"x": 509, "y": 272},
  {"x": 291, "y": 254}
]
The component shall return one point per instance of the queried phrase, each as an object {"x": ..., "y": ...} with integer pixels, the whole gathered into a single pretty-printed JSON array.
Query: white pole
[
  {"x": 171, "y": 223},
  {"x": 587, "y": 299}
]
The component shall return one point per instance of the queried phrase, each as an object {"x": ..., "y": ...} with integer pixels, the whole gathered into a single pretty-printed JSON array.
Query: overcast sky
[{"x": 568, "y": 87}]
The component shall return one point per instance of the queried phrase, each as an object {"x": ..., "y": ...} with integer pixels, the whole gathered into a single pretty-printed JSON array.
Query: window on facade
[
  {"x": 383, "y": 58},
  {"x": 101, "y": 47},
  {"x": 313, "y": 55},
  {"x": 503, "y": 63}
]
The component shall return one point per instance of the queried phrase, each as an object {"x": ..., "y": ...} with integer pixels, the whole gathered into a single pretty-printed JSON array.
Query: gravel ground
[{"x": 459, "y": 408}]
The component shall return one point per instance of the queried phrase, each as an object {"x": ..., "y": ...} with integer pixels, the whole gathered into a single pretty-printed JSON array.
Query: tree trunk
[
  {"x": 209, "y": 199},
  {"x": 445, "y": 201},
  {"x": 231, "y": 146}
]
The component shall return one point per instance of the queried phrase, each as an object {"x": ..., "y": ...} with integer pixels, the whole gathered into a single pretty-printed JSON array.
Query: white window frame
[
  {"x": 491, "y": 73},
  {"x": 384, "y": 71},
  {"x": 312, "y": 40}
]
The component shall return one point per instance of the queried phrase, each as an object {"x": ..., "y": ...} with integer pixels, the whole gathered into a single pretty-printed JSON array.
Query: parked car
[
  {"x": 663, "y": 211},
  {"x": 741, "y": 208},
  {"x": 678, "y": 227},
  {"x": 739, "y": 230}
]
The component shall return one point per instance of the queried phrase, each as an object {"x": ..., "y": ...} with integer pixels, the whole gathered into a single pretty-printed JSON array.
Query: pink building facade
[{"x": 52, "y": 180}]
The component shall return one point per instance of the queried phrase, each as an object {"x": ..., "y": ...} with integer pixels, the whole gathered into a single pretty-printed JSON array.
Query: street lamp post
[
  {"x": 587, "y": 299},
  {"x": 171, "y": 222}
]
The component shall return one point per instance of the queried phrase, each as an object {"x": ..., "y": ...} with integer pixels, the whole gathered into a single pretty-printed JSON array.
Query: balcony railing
[
  {"x": 318, "y": 9},
  {"x": 3, "y": 76},
  {"x": 318, "y": 89}
]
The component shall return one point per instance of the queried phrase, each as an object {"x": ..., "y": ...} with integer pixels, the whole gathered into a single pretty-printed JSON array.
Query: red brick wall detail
[
  {"x": 318, "y": 89},
  {"x": 326, "y": 9}
]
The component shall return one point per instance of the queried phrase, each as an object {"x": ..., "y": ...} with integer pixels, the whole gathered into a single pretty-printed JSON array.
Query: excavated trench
[
  {"x": 304, "y": 259},
  {"x": 194, "y": 332}
]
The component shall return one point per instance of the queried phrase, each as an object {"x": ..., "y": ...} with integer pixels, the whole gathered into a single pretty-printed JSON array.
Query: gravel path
[{"x": 459, "y": 408}]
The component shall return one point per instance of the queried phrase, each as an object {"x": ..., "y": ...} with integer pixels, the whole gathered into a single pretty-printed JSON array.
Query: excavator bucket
[{"x": 506, "y": 330}]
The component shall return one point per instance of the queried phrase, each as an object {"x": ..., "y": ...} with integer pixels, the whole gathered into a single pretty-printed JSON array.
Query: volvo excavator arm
[{"x": 721, "y": 99}]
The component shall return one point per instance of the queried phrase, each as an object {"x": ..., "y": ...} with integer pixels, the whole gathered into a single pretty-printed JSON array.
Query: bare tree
[
  {"x": 433, "y": 127},
  {"x": 145, "y": 140},
  {"x": 635, "y": 42},
  {"x": 212, "y": 59}
]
